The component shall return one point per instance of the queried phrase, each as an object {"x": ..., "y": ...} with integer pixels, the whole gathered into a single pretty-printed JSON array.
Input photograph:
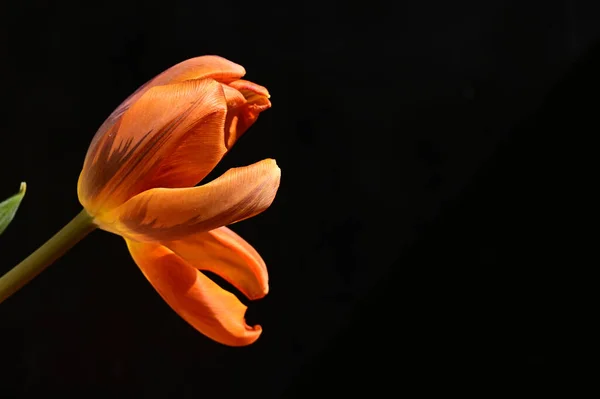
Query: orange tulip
[{"x": 138, "y": 181}]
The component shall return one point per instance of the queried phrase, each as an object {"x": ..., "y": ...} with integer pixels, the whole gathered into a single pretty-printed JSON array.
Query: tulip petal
[
  {"x": 208, "y": 308},
  {"x": 249, "y": 89},
  {"x": 163, "y": 214},
  {"x": 226, "y": 254},
  {"x": 208, "y": 66},
  {"x": 141, "y": 150},
  {"x": 242, "y": 114}
]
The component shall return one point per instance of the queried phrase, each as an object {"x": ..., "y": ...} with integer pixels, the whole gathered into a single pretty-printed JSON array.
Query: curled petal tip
[
  {"x": 252, "y": 334},
  {"x": 256, "y": 328}
]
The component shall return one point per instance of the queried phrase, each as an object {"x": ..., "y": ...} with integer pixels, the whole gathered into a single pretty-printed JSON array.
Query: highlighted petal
[
  {"x": 225, "y": 253},
  {"x": 209, "y": 66},
  {"x": 164, "y": 214},
  {"x": 214, "y": 312},
  {"x": 153, "y": 144}
]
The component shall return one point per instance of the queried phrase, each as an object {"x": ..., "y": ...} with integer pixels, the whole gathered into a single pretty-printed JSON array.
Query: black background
[{"x": 431, "y": 234}]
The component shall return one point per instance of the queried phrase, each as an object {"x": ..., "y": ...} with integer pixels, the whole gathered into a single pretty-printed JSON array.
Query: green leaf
[{"x": 8, "y": 208}]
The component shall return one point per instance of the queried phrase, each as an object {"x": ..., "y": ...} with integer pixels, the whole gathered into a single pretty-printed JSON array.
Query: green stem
[{"x": 45, "y": 255}]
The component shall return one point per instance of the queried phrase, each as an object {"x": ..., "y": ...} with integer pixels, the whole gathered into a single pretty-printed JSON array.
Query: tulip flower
[{"x": 139, "y": 181}]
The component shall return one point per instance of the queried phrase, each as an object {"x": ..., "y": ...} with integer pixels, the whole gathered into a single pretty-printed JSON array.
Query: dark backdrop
[{"x": 431, "y": 230}]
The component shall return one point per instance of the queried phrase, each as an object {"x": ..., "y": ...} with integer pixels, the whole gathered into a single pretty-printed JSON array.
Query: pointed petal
[
  {"x": 137, "y": 152},
  {"x": 228, "y": 255},
  {"x": 172, "y": 214},
  {"x": 208, "y": 308}
]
